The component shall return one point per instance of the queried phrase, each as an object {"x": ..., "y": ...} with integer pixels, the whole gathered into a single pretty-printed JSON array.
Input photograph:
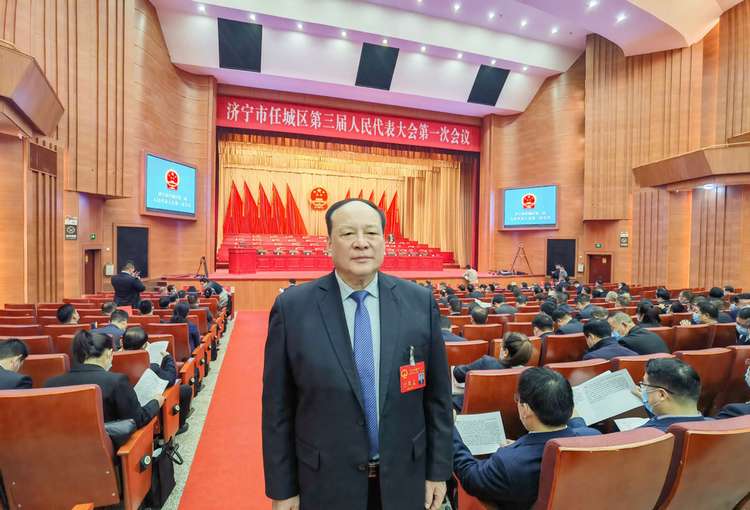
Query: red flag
[
  {"x": 392, "y": 223},
  {"x": 348, "y": 194},
  {"x": 278, "y": 212},
  {"x": 233, "y": 215},
  {"x": 381, "y": 204},
  {"x": 372, "y": 197},
  {"x": 264, "y": 214},
  {"x": 360, "y": 194},
  {"x": 249, "y": 211},
  {"x": 295, "y": 223}
]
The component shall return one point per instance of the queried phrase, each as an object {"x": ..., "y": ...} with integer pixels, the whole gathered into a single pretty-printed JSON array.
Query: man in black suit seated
[
  {"x": 743, "y": 326},
  {"x": 146, "y": 307},
  {"x": 549, "y": 306},
  {"x": 663, "y": 299},
  {"x": 583, "y": 302},
  {"x": 108, "y": 308},
  {"x": 455, "y": 305},
  {"x": 722, "y": 317},
  {"x": 473, "y": 292},
  {"x": 135, "y": 338},
  {"x": 670, "y": 390},
  {"x": 164, "y": 302},
  {"x": 479, "y": 314},
  {"x": 635, "y": 338},
  {"x": 601, "y": 343},
  {"x": 67, "y": 314},
  {"x": 566, "y": 324},
  {"x": 510, "y": 477},
  {"x": 543, "y": 326},
  {"x": 194, "y": 305},
  {"x": 734, "y": 410},
  {"x": 501, "y": 307},
  {"x": 739, "y": 301},
  {"x": 128, "y": 286},
  {"x": 118, "y": 322},
  {"x": 13, "y": 352},
  {"x": 445, "y": 330}
]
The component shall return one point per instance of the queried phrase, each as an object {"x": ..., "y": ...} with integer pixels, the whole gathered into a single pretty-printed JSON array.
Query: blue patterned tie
[{"x": 365, "y": 361}]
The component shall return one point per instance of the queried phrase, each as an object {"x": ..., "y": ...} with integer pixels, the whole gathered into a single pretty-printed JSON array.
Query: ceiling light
[
  {"x": 493, "y": 62},
  {"x": 491, "y": 15},
  {"x": 419, "y": 1},
  {"x": 201, "y": 8},
  {"x": 554, "y": 30},
  {"x": 708, "y": 186},
  {"x": 343, "y": 33},
  {"x": 423, "y": 49},
  {"x": 456, "y": 7},
  {"x": 593, "y": 3},
  {"x": 252, "y": 17},
  {"x": 300, "y": 26},
  {"x": 460, "y": 55},
  {"x": 524, "y": 23},
  {"x": 525, "y": 68},
  {"x": 385, "y": 42},
  {"x": 621, "y": 17}
]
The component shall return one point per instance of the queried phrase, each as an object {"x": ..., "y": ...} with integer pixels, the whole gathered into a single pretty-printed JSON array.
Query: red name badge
[{"x": 412, "y": 377}]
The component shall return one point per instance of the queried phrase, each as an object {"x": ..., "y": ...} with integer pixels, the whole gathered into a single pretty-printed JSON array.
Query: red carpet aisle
[{"x": 228, "y": 468}]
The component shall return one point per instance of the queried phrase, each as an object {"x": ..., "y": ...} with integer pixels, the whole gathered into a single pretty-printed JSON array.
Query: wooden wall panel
[
  {"x": 43, "y": 234},
  {"x": 13, "y": 155},
  {"x": 733, "y": 100}
]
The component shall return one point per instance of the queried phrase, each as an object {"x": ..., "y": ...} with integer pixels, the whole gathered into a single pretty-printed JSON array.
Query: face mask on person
[
  {"x": 741, "y": 330},
  {"x": 616, "y": 334},
  {"x": 696, "y": 318},
  {"x": 733, "y": 306},
  {"x": 747, "y": 376},
  {"x": 646, "y": 404}
]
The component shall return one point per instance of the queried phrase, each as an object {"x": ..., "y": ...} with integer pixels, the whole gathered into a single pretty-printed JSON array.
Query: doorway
[
  {"x": 600, "y": 268},
  {"x": 90, "y": 265},
  {"x": 563, "y": 252}
]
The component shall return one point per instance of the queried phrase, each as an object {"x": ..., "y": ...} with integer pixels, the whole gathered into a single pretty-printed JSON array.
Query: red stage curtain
[{"x": 296, "y": 224}]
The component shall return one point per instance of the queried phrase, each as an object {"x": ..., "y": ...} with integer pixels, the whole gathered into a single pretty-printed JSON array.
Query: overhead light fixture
[
  {"x": 201, "y": 8},
  {"x": 593, "y": 3},
  {"x": 524, "y": 23},
  {"x": 621, "y": 17},
  {"x": 554, "y": 30},
  {"x": 456, "y": 7},
  {"x": 423, "y": 49},
  {"x": 419, "y": 1},
  {"x": 385, "y": 42},
  {"x": 460, "y": 55},
  {"x": 343, "y": 33},
  {"x": 252, "y": 17},
  {"x": 493, "y": 62},
  {"x": 300, "y": 26},
  {"x": 708, "y": 186},
  {"x": 491, "y": 15}
]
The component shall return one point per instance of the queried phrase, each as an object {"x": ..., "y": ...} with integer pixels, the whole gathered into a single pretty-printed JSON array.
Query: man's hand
[
  {"x": 285, "y": 504},
  {"x": 434, "y": 493}
]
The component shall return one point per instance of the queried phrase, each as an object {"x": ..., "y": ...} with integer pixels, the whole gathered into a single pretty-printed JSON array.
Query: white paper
[
  {"x": 624, "y": 424},
  {"x": 605, "y": 396},
  {"x": 155, "y": 350},
  {"x": 457, "y": 388},
  {"x": 149, "y": 386},
  {"x": 481, "y": 433}
]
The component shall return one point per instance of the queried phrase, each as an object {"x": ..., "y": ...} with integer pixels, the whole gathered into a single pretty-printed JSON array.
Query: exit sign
[
  {"x": 92, "y": 237},
  {"x": 597, "y": 245}
]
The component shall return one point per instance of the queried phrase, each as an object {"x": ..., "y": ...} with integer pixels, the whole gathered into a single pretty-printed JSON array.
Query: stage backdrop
[{"x": 428, "y": 193}]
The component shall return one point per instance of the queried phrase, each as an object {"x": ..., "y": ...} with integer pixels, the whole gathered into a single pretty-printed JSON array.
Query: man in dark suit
[
  {"x": 501, "y": 307},
  {"x": 583, "y": 302},
  {"x": 543, "y": 326},
  {"x": 445, "y": 331},
  {"x": 510, "y": 477},
  {"x": 456, "y": 306},
  {"x": 566, "y": 325},
  {"x": 638, "y": 339},
  {"x": 128, "y": 286},
  {"x": 743, "y": 326},
  {"x": 356, "y": 395},
  {"x": 13, "y": 352},
  {"x": 601, "y": 344},
  {"x": 473, "y": 292},
  {"x": 118, "y": 322}
]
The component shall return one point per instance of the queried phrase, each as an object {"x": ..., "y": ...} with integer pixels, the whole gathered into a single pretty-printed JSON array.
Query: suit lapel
[
  {"x": 334, "y": 320},
  {"x": 390, "y": 320}
]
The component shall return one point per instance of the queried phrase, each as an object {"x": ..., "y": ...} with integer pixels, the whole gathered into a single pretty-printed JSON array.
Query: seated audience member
[
  {"x": 734, "y": 410},
  {"x": 601, "y": 343},
  {"x": 470, "y": 275},
  {"x": 743, "y": 326},
  {"x": 623, "y": 300},
  {"x": 548, "y": 307},
  {"x": 192, "y": 300},
  {"x": 623, "y": 288},
  {"x": 146, "y": 307},
  {"x": 566, "y": 324},
  {"x": 509, "y": 478},
  {"x": 171, "y": 289},
  {"x": 118, "y": 322},
  {"x": 501, "y": 307},
  {"x": 108, "y": 308},
  {"x": 179, "y": 316},
  {"x": 611, "y": 297},
  {"x": 677, "y": 307},
  {"x": 217, "y": 290},
  {"x": 739, "y": 301},
  {"x": 599, "y": 313},
  {"x": 445, "y": 330},
  {"x": 670, "y": 390},
  {"x": 135, "y": 338},
  {"x": 516, "y": 352},
  {"x": 521, "y": 300},
  {"x": 728, "y": 289},
  {"x": 473, "y": 292},
  {"x": 716, "y": 293},
  {"x": 479, "y": 314},
  {"x": 455, "y": 305},
  {"x": 648, "y": 315},
  {"x": 13, "y": 352},
  {"x": 635, "y": 338},
  {"x": 583, "y": 302},
  {"x": 461, "y": 287},
  {"x": 685, "y": 298},
  {"x": 93, "y": 352},
  {"x": 164, "y": 302},
  {"x": 543, "y": 325},
  {"x": 724, "y": 317},
  {"x": 181, "y": 294},
  {"x": 663, "y": 299},
  {"x": 704, "y": 312},
  {"x": 67, "y": 314}
]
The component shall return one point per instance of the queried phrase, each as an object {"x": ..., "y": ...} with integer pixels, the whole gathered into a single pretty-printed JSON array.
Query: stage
[{"x": 257, "y": 291}]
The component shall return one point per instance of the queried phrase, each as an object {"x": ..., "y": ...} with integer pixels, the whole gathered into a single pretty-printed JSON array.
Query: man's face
[
  {"x": 76, "y": 317},
  {"x": 123, "y": 325},
  {"x": 356, "y": 241},
  {"x": 616, "y": 327},
  {"x": 745, "y": 323},
  {"x": 743, "y": 303}
]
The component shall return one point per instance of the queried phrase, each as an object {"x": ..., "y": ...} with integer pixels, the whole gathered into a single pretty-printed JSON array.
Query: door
[
  {"x": 89, "y": 270},
  {"x": 600, "y": 268},
  {"x": 563, "y": 252}
]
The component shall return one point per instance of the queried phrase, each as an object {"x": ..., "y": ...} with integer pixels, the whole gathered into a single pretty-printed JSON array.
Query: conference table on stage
[{"x": 247, "y": 260}]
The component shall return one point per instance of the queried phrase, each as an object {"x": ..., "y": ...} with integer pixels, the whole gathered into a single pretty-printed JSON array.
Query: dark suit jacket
[
  {"x": 725, "y": 318},
  {"x": 506, "y": 309},
  {"x": 450, "y": 337},
  {"x": 111, "y": 330},
  {"x": 314, "y": 435},
  {"x": 643, "y": 341},
  {"x": 571, "y": 327},
  {"x": 119, "y": 401},
  {"x": 733, "y": 411},
  {"x": 127, "y": 289},
  {"x": 13, "y": 381},
  {"x": 664, "y": 423},
  {"x": 607, "y": 348},
  {"x": 586, "y": 311},
  {"x": 510, "y": 477},
  {"x": 476, "y": 294},
  {"x": 167, "y": 370}
]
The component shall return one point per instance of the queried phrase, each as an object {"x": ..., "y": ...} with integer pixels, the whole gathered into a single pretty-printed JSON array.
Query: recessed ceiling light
[
  {"x": 343, "y": 33},
  {"x": 460, "y": 55},
  {"x": 300, "y": 26},
  {"x": 525, "y": 68},
  {"x": 385, "y": 41},
  {"x": 423, "y": 49},
  {"x": 201, "y": 8},
  {"x": 419, "y": 1},
  {"x": 252, "y": 17},
  {"x": 493, "y": 62},
  {"x": 456, "y": 7},
  {"x": 554, "y": 30},
  {"x": 621, "y": 17},
  {"x": 524, "y": 23},
  {"x": 593, "y": 3},
  {"x": 708, "y": 186},
  {"x": 491, "y": 15}
]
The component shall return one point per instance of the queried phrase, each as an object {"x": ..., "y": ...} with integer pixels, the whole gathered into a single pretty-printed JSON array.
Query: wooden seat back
[
  {"x": 483, "y": 331},
  {"x": 525, "y": 316},
  {"x": 725, "y": 335},
  {"x": 577, "y": 372},
  {"x": 691, "y": 338},
  {"x": 41, "y": 367},
  {"x": 20, "y": 306},
  {"x": 666, "y": 334},
  {"x": 130, "y": 363},
  {"x": 521, "y": 327},
  {"x": 464, "y": 352},
  {"x": 141, "y": 320},
  {"x": 636, "y": 365},
  {"x": 55, "y": 330},
  {"x": 21, "y": 330},
  {"x": 563, "y": 348},
  {"x": 735, "y": 390},
  {"x": 180, "y": 334},
  {"x": 713, "y": 366},
  {"x": 18, "y": 320},
  {"x": 492, "y": 390},
  {"x": 41, "y": 344},
  {"x": 460, "y": 321}
]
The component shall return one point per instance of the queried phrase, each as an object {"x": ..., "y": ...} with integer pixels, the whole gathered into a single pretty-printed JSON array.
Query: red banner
[{"x": 248, "y": 113}]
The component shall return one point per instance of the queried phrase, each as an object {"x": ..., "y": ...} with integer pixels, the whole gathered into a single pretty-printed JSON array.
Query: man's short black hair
[
  {"x": 676, "y": 376},
  {"x": 744, "y": 313},
  {"x": 145, "y": 307},
  {"x": 108, "y": 308},
  {"x": 548, "y": 394},
  {"x": 598, "y": 328},
  {"x": 521, "y": 300},
  {"x": 455, "y": 305},
  {"x": 13, "y": 347},
  {"x": 548, "y": 307},
  {"x": 543, "y": 321},
  {"x": 708, "y": 308},
  {"x": 119, "y": 316},
  {"x": 340, "y": 203},
  {"x": 479, "y": 314},
  {"x": 192, "y": 298},
  {"x": 716, "y": 293},
  {"x": 499, "y": 298},
  {"x": 181, "y": 294},
  {"x": 599, "y": 312},
  {"x": 164, "y": 302},
  {"x": 560, "y": 313},
  {"x": 663, "y": 293},
  {"x": 65, "y": 313},
  {"x": 583, "y": 298},
  {"x": 678, "y": 307},
  {"x": 134, "y": 338}
]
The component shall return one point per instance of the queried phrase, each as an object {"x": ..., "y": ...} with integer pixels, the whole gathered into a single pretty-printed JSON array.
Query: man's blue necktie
[{"x": 365, "y": 361}]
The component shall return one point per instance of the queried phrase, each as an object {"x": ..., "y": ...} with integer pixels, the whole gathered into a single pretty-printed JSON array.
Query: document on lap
[
  {"x": 606, "y": 395},
  {"x": 482, "y": 433},
  {"x": 625, "y": 424},
  {"x": 149, "y": 385},
  {"x": 155, "y": 351}
]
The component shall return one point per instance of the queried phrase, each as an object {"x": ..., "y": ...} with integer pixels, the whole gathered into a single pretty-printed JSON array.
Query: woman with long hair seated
[
  {"x": 93, "y": 352},
  {"x": 648, "y": 315},
  {"x": 179, "y": 316},
  {"x": 515, "y": 352}
]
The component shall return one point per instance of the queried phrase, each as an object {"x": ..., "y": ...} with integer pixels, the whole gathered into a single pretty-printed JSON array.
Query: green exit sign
[
  {"x": 597, "y": 245},
  {"x": 92, "y": 237}
]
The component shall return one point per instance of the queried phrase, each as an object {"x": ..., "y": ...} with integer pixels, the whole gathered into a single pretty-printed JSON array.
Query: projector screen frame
[
  {"x": 145, "y": 211},
  {"x": 501, "y": 209}
]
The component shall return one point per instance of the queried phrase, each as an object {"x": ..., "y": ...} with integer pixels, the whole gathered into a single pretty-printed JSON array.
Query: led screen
[{"x": 530, "y": 207}]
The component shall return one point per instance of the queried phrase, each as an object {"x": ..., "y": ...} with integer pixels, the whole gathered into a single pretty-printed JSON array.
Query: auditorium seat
[
  {"x": 578, "y": 372},
  {"x": 23, "y": 330},
  {"x": 690, "y": 338},
  {"x": 725, "y": 335},
  {"x": 483, "y": 331},
  {"x": 180, "y": 334},
  {"x": 521, "y": 327},
  {"x": 57, "y": 453},
  {"x": 619, "y": 471},
  {"x": 19, "y": 320},
  {"x": 636, "y": 365},
  {"x": 464, "y": 352},
  {"x": 140, "y": 320},
  {"x": 525, "y": 317},
  {"x": 667, "y": 319},
  {"x": 713, "y": 367},
  {"x": 529, "y": 309},
  {"x": 460, "y": 321},
  {"x": 666, "y": 334},
  {"x": 41, "y": 344},
  {"x": 444, "y": 310},
  {"x": 20, "y": 306},
  {"x": 709, "y": 465},
  {"x": 16, "y": 313},
  {"x": 55, "y": 330},
  {"x": 41, "y": 367},
  {"x": 501, "y": 318},
  {"x": 536, "y": 353},
  {"x": 563, "y": 348},
  {"x": 735, "y": 390},
  {"x": 492, "y": 390}
]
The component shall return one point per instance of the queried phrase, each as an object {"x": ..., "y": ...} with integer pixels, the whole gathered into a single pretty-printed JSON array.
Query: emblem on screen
[
  {"x": 173, "y": 179},
  {"x": 528, "y": 201},
  {"x": 319, "y": 199}
]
